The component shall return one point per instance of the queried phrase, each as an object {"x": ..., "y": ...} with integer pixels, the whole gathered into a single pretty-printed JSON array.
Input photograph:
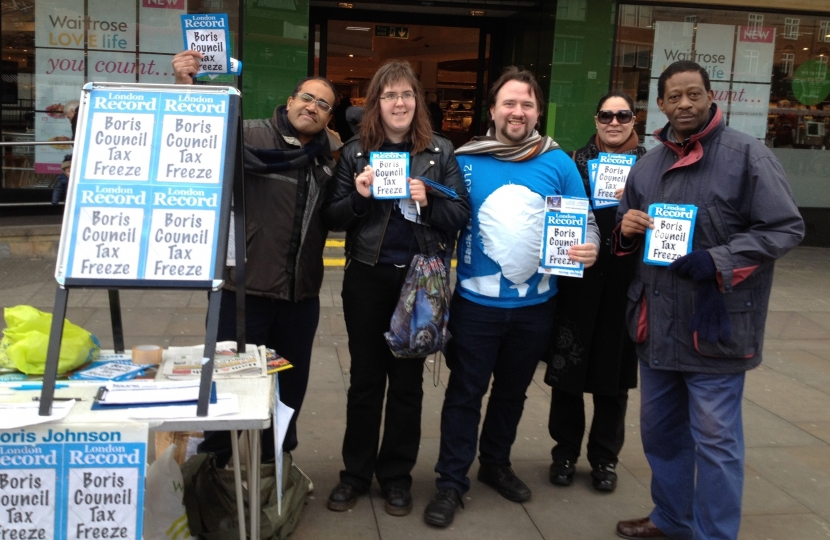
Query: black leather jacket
[{"x": 442, "y": 218}]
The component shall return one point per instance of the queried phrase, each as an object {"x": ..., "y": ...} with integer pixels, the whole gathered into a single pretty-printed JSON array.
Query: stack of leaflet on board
[{"x": 186, "y": 362}]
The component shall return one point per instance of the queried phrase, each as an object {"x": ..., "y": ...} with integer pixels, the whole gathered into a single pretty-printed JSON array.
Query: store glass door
[{"x": 451, "y": 63}]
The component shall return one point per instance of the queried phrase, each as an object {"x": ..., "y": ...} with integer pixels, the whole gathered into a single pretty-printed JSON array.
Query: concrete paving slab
[
  {"x": 786, "y": 397},
  {"x": 762, "y": 497},
  {"x": 784, "y": 527},
  {"x": 802, "y": 473},
  {"x": 763, "y": 428},
  {"x": 579, "y": 511},
  {"x": 795, "y": 325},
  {"x": 319, "y": 522},
  {"x": 820, "y": 430},
  {"x": 804, "y": 366}
]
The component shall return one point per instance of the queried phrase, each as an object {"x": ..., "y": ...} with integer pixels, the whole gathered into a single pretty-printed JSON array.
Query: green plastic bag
[{"x": 26, "y": 339}]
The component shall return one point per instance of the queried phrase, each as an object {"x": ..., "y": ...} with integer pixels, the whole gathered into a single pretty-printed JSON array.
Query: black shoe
[
  {"x": 398, "y": 501},
  {"x": 441, "y": 509},
  {"x": 562, "y": 472},
  {"x": 604, "y": 477},
  {"x": 505, "y": 481},
  {"x": 342, "y": 497}
]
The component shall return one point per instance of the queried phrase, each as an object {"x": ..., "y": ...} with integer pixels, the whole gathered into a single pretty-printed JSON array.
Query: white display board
[
  {"x": 61, "y": 481},
  {"x": 150, "y": 187}
]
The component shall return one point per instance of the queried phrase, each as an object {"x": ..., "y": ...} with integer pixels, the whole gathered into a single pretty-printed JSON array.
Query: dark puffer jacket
[
  {"x": 284, "y": 230},
  {"x": 746, "y": 219}
]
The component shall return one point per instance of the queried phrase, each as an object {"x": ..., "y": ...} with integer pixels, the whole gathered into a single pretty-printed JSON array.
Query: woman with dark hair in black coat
[{"x": 590, "y": 350}]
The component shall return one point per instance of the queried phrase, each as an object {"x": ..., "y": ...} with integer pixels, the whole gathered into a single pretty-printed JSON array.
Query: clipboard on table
[{"x": 99, "y": 404}]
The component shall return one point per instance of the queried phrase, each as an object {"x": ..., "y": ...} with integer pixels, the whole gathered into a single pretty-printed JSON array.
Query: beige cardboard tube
[{"x": 147, "y": 354}]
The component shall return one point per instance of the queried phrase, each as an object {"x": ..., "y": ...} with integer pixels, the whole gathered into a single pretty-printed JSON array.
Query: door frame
[{"x": 487, "y": 26}]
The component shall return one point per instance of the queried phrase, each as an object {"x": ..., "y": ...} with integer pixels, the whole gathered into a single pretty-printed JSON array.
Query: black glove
[
  {"x": 697, "y": 265},
  {"x": 711, "y": 318}
]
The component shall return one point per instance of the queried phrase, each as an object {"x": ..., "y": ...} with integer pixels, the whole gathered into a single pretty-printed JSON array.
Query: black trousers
[
  {"x": 566, "y": 425},
  {"x": 288, "y": 328},
  {"x": 370, "y": 294}
]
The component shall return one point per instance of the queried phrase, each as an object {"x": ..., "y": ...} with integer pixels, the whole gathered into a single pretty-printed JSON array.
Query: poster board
[
  {"x": 61, "y": 480},
  {"x": 149, "y": 194}
]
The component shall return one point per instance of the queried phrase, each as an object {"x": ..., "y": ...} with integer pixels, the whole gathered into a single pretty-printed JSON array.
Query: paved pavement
[{"x": 786, "y": 417}]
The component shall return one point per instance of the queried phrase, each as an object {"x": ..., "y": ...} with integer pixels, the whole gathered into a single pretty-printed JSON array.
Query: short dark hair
[
  {"x": 617, "y": 94},
  {"x": 322, "y": 80},
  {"x": 513, "y": 73},
  {"x": 681, "y": 66}
]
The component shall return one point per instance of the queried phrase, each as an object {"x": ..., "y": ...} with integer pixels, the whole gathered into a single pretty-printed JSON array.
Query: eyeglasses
[
  {"x": 393, "y": 97},
  {"x": 623, "y": 117},
  {"x": 308, "y": 98}
]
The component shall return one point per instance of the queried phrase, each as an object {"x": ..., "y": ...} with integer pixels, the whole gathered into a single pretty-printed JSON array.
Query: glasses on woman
[
  {"x": 308, "y": 98},
  {"x": 393, "y": 97},
  {"x": 623, "y": 117}
]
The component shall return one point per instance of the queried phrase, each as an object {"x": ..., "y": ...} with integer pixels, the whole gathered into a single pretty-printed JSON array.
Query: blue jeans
[
  {"x": 507, "y": 344},
  {"x": 693, "y": 438}
]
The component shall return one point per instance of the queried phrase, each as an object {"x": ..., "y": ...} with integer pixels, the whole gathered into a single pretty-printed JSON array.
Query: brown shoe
[{"x": 639, "y": 528}]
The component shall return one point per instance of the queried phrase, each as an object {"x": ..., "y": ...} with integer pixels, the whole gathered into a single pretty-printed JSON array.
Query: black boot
[
  {"x": 505, "y": 481},
  {"x": 604, "y": 477},
  {"x": 342, "y": 497},
  {"x": 441, "y": 509},
  {"x": 562, "y": 472}
]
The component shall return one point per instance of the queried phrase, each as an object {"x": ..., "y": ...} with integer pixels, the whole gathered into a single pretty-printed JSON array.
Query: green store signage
[{"x": 811, "y": 83}]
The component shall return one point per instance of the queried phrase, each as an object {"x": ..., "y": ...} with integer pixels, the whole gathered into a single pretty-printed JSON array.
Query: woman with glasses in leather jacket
[{"x": 380, "y": 244}]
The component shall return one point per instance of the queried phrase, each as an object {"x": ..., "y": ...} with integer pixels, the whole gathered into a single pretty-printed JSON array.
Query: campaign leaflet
[
  {"x": 391, "y": 171},
  {"x": 610, "y": 174},
  {"x": 73, "y": 481},
  {"x": 207, "y": 33},
  {"x": 566, "y": 219},
  {"x": 593, "y": 166},
  {"x": 671, "y": 237}
]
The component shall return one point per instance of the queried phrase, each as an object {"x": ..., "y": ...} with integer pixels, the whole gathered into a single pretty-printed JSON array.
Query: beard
[{"x": 515, "y": 136}]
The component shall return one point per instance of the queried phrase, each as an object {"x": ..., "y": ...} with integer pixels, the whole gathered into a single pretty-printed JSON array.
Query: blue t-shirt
[{"x": 499, "y": 250}]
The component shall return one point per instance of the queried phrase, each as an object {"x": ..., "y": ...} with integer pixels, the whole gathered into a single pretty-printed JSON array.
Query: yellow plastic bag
[{"x": 26, "y": 339}]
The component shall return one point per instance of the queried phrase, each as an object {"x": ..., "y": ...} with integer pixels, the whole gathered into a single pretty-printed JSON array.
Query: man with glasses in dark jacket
[{"x": 288, "y": 167}]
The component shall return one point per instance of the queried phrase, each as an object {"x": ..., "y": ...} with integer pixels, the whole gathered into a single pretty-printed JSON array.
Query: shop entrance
[{"x": 452, "y": 63}]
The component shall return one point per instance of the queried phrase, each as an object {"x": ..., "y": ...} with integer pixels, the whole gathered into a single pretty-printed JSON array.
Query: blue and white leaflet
[
  {"x": 146, "y": 201},
  {"x": 593, "y": 167},
  {"x": 207, "y": 33},
  {"x": 610, "y": 175},
  {"x": 566, "y": 220},
  {"x": 671, "y": 237},
  {"x": 391, "y": 172}
]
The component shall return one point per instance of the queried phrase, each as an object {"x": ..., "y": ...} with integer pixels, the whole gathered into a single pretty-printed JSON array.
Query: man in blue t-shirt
[{"x": 502, "y": 310}]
